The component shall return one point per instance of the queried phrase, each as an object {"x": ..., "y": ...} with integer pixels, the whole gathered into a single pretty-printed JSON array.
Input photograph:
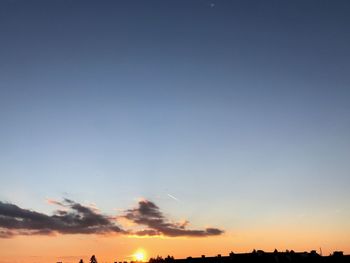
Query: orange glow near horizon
[{"x": 72, "y": 248}]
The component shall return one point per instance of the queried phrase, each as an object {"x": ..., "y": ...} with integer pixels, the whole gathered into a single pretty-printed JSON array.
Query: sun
[{"x": 139, "y": 255}]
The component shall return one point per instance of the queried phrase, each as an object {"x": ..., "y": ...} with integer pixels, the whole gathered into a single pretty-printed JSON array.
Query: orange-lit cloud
[
  {"x": 149, "y": 215},
  {"x": 75, "y": 218},
  {"x": 78, "y": 219}
]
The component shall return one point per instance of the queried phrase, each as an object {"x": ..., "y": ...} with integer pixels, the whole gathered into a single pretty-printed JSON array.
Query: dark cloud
[
  {"x": 149, "y": 215},
  {"x": 76, "y": 219},
  {"x": 5, "y": 233}
]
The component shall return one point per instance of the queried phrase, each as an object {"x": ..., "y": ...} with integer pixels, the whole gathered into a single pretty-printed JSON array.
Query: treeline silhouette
[{"x": 258, "y": 256}]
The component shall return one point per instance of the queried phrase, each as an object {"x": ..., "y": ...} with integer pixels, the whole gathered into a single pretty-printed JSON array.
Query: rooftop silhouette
[{"x": 260, "y": 256}]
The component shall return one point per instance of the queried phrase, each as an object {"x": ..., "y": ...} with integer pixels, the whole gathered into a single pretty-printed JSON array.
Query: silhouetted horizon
[{"x": 253, "y": 256}]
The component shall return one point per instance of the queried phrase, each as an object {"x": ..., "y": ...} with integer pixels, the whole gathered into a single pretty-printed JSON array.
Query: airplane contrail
[{"x": 173, "y": 197}]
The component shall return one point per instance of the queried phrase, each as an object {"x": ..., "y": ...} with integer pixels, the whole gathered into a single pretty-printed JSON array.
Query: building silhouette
[{"x": 260, "y": 256}]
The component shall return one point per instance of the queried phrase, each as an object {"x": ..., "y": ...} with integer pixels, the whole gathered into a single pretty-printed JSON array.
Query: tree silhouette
[
  {"x": 93, "y": 259},
  {"x": 158, "y": 259},
  {"x": 169, "y": 259},
  {"x": 81, "y": 261}
]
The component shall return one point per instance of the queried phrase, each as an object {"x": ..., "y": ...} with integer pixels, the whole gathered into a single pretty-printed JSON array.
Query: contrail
[{"x": 173, "y": 197}]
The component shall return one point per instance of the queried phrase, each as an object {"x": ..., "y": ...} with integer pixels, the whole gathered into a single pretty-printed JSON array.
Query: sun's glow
[{"x": 140, "y": 255}]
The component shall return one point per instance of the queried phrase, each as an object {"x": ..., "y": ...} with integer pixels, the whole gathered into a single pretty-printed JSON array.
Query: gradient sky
[{"x": 238, "y": 109}]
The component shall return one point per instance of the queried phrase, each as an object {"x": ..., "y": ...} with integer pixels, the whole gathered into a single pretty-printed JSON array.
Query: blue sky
[{"x": 230, "y": 108}]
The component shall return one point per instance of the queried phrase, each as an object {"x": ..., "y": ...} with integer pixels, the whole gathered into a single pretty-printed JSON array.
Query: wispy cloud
[
  {"x": 75, "y": 218},
  {"x": 149, "y": 215},
  {"x": 78, "y": 219}
]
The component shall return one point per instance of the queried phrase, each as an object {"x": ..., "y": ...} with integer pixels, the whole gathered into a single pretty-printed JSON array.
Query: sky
[{"x": 176, "y": 127}]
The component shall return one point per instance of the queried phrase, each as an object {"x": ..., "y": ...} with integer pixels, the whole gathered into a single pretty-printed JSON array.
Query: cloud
[
  {"x": 149, "y": 215},
  {"x": 75, "y": 218},
  {"x": 55, "y": 202}
]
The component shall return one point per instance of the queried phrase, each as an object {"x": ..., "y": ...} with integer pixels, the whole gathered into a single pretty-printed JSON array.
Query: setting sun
[{"x": 140, "y": 255}]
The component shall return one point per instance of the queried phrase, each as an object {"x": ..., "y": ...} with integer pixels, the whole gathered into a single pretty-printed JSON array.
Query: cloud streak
[
  {"x": 148, "y": 214},
  {"x": 75, "y": 218}
]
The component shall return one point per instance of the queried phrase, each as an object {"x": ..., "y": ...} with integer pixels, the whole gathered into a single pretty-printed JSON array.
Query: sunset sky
[{"x": 173, "y": 127}]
